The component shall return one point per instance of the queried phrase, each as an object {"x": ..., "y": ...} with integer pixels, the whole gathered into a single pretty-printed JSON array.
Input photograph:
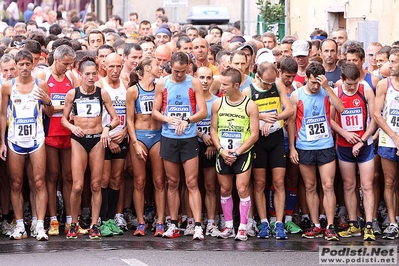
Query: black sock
[
  {"x": 113, "y": 198},
  {"x": 104, "y": 204},
  {"x": 197, "y": 224}
]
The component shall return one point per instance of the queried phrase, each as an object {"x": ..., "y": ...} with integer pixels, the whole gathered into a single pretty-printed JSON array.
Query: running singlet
[
  {"x": 233, "y": 124},
  {"x": 205, "y": 125},
  {"x": 57, "y": 91},
  {"x": 24, "y": 116},
  {"x": 178, "y": 99},
  {"x": 118, "y": 98},
  {"x": 144, "y": 101},
  {"x": 268, "y": 101},
  {"x": 354, "y": 117},
  {"x": 390, "y": 112},
  {"x": 247, "y": 82},
  {"x": 87, "y": 105},
  {"x": 369, "y": 79},
  {"x": 313, "y": 130}
]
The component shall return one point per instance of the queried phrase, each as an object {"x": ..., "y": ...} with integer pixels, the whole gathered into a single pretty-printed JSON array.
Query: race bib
[
  {"x": 25, "y": 129},
  {"x": 316, "y": 128},
  {"x": 230, "y": 140},
  {"x": 204, "y": 126},
  {"x": 88, "y": 108},
  {"x": 146, "y": 103},
  {"x": 179, "y": 111},
  {"x": 58, "y": 99},
  {"x": 275, "y": 126},
  {"x": 352, "y": 119},
  {"x": 121, "y": 113},
  {"x": 393, "y": 119}
]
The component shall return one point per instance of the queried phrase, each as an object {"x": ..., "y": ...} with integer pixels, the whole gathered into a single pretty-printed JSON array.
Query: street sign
[{"x": 175, "y": 3}]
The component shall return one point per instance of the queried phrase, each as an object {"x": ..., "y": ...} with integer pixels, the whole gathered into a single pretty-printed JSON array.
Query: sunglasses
[{"x": 265, "y": 82}]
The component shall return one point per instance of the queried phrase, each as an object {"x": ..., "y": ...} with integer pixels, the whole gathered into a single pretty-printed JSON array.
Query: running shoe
[
  {"x": 85, "y": 219},
  {"x": 279, "y": 232},
  {"x": 272, "y": 226},
  {"x": 94, "y": 232},
  {"x": 306, "y": 224},
  {"x": 130, "y": 219},
  {"x": 41, "y": 234},
  {"x": 361, "y": 222},
  {"x": 212, "y": 230},
  {"x": 376, "y": 227},
  {"x": 313, "y": 232},
  {"x": 241, "y": 235},
  {"x": 140, "y": 230},
  {"x": 33, "y": 229},
  {"x": 323, "y": 223},
  {"x": 330, "y": 234},
  {"x": 198, "y": 233},
  {"x": 296, "y": 218},
  {"x": 264, "y": 230},
  {"x": 80, "y": 231},
  {"x": 149, "y": 214},
  {"x": 342, "y": 223},
  {"x": 252, "y": 229},
  {"x": 18, "y": 233},
  {"x": 351, "y": 231},
  {"x": 113, "y": 227},
  {"x": 73, "y": 231},
  {"x": 6, "y": 228},
  {"x": 368, "y": 233},
  {"x": 391, "y": 232},
  {"x": 386, "y": 222},
  {"x": 120, "y": 222},
  {"x": 159, "y": 230},
  {"x": 292, "y": 228},
  {"x": 226, "y": 233},
  {"x": 105, "y": 230},
  {"x": 54, "y": 228},
  {"x": 172, "y": 232},
  {"x": 190, "y": 229}
]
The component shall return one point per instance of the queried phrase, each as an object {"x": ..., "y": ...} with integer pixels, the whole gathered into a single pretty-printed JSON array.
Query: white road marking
[{"x": 134, "y": 262}]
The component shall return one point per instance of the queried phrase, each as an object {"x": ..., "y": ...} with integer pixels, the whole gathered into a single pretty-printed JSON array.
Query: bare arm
[
  {"x": 291, "y": 128},
  {"x": 5, "y": 97},
  {"x": 288, "y": 110}
]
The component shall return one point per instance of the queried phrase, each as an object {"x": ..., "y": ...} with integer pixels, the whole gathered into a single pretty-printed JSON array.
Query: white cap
[
  {"x": 300, "y": 48},
  {"x": 264, "y": 55}
]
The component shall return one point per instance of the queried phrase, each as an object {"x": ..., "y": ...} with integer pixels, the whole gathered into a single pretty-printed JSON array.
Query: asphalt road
[{"x": 130, "y": 250}]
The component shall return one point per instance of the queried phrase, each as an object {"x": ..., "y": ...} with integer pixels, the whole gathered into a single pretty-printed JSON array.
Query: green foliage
[{"x": 271, "y": 13}]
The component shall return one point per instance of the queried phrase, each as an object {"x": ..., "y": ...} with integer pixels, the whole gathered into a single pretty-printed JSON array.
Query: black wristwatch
[
  {"x": 49, "y": 104},
  {"x": 364, "y": 142},
  {"x": 109, "y": 126},
  {"x": 234, "y": 154},
  {"x": 185, "y": 118}
]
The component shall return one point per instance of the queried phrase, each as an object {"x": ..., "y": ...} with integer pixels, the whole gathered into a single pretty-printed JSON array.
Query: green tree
[{"x": 271, "y": 13}]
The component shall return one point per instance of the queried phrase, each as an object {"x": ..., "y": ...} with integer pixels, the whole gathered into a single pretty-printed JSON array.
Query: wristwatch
[
  {"x": 49, "y": 104},
  {"x": 109, "y": 126},
  {"x": 234, "y": 154},
  {"x": 185, "y": 118}
]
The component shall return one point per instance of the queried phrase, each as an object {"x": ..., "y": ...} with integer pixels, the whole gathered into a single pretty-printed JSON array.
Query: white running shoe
[
  {"x": 212, "y": 230},
  {"x": 33, "y": 229},
  {"x": 18, "y": 233},
  {"x": 241, "y": 235},
  {"x": 252, "y": 229},
  {"x": 6, "y": 228},
  {"x": 41, "y": 234},
  {"x": 121, "y": 222},
  {"x": 190, "y": 229},
  {"x": 198, "y": 233},
  {"x": 172, "y": 232},
  {"x": 227, "y": 232}
]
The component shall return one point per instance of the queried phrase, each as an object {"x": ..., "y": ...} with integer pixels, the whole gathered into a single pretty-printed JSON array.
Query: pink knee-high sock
[
  {"x": 227, "y": 207},
  {"x": 245, "y": 205}
]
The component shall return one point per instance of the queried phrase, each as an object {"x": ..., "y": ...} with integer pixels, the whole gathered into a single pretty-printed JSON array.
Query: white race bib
[
  {"x": 146, "y": 103},
  {"x": 316, "y": 128},
  {"x": 230, "y": 140},
  {"x": 179, "y": 111},
  {"x": 58, "y": 99},
  {"x": 25, "y": 129},
  {"x": 352, "y": 119}
]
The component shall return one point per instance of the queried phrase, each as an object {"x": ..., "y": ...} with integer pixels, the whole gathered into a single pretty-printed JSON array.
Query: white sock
[
  {"x": 40, "y": 224},
  {"x": 250, "y": 221},
  {"x": 321, "y": 216},
  {"x": 317, "y": 225},
  {"x": 20, "y": 223},
  {"x": 53, "y": 218},
  {"x": 210, "y": 222},
  {"x": 288, "y": 218},
  {"x": 69, "y": 219},
  {"x": 264, "y": 220},
  {"x": 272, "y": 219},
  {"x": 305, "y": 216}
]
